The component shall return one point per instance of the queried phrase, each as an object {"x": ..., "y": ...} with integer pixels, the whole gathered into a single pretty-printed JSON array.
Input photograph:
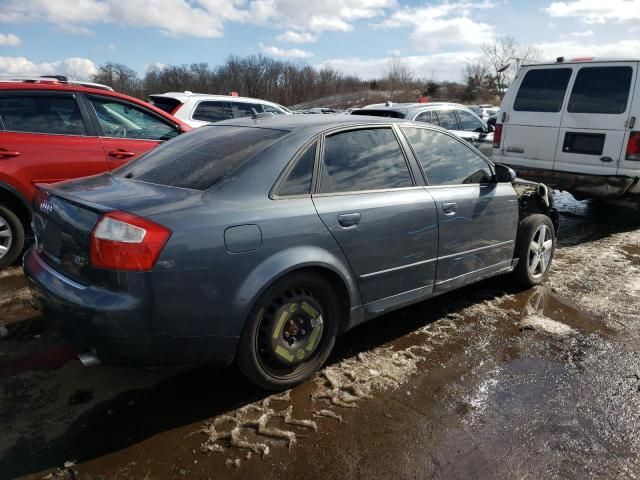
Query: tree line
[{"x": 290, "y": 83}]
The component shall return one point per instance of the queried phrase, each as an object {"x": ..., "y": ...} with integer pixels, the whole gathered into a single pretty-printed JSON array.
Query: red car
[{"x": 52, "y": 129}]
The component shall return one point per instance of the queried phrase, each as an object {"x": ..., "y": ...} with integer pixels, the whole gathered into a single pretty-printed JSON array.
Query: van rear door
[
  {"x": 532, "y": 115},
  {"x": 593, "y": 126},
  {"x": 629, "y": 158}
]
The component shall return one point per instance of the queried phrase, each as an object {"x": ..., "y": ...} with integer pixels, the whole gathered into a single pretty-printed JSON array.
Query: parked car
[
  {"x": 261, "y": 240},
  {"x": 198, "y": 109},
  {"x": 454, "y": 117},
  {"x": 52, "y": 129},
  {"x": 574, "y": 124}
]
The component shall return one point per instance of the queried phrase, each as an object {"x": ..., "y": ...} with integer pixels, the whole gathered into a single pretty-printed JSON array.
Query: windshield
[{"x": 200, "y": 159}]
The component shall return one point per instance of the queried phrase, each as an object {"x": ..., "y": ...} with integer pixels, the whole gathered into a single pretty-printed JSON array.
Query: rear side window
[
  {"x": 601, "y": 90},
  {"x": 427, "y": 117},
  {"x": 166, "y": 104},
  {"x": 368, "y": 159},
  {"x": 55, "y": 114},
  {"x": 448, "y": 119},
  {"x": 200, "y": 159},
  {"x": 446, "y": 160},
  {"x": 212, "y": 111},
  {"x": 542, "y": 90},
  {"x": 298, "y": 181}
]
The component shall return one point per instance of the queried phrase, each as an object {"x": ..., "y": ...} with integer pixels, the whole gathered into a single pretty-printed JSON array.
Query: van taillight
[
  {"x": 633, "y": 147},
  {"x": 497, "y": 135},
  {"x": 122, "y": 241}
]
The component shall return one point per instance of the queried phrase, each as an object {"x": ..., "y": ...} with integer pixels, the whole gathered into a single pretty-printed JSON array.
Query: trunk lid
[{"x": 66, "y": 214}]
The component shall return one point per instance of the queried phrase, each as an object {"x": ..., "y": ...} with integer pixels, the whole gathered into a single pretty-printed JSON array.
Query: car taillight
[
  {"x": 497, "y": 135},
  {"x": 633, "y": 147},
  {"x": 122, "y": 241}
]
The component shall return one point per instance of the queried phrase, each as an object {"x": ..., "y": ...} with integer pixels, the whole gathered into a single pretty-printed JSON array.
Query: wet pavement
[{"x": 486, "y": 382}]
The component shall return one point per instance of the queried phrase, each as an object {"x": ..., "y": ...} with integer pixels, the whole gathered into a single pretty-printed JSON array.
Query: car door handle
[
  {"x": 349, "y": 219},
  {"x": 449, "y": 208},
  {"x": 121, "y": 153},
  {"x": 4, "y": 153}
]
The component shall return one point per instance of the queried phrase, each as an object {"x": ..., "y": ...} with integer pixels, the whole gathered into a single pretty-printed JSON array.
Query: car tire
[
  {"x": 11, "y": 237},
  {"x": 535, "y": 247},
  {"x": 302, "y": 309}
]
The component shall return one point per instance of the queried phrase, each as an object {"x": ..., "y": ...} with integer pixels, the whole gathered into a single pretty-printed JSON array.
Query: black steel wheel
[{"x": 291, "y": 332}]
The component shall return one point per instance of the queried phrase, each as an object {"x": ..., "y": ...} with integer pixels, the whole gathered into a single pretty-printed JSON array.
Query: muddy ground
[{"x": 487, "y": 382}]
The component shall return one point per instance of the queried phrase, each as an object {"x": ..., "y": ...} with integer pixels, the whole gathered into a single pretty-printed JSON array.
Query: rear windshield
[
  {"x": 164, "y": 103},
  {"x": 200, "y": 159},
  {"x": 380, "y": 113}
]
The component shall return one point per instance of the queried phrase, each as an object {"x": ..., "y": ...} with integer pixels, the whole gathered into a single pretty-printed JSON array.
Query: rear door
[
  {"x": 532, "y": 115},
  {"x": 127, "y": 130},
  {"x": 46, "y": 137},
  {"x": 384, "y": 223},
  {"x": 593, "y": 126},
  {"x": 630, "y": 156},
  {"x": 477, "y": 217}
]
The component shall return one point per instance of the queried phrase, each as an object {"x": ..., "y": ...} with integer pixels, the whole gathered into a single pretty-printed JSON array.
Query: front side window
[
  {"x": 212, "y": 111},
  {"x": 448, "y": 120},
  {"x": 369, "y": 159},
  {"x": 201, "y": 159},
  {"x": 242, "y": 109},
  {"x": 469, "y": 122},
  {"x": 601, "y": 90},
  {"x": 55, "y": 114},
  {"x": 446, "y": 160},
  {"x": 123, "y": 120},
  {"x": 542, "y": 90},
  {"x": 271, "y": 109},
  {"x": 298, "y": 181}
]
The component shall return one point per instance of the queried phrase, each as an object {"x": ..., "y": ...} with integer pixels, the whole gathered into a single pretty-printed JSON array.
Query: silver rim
[
  {"x": 6, "y": 237},
  {"x": 540, "y": 251}
]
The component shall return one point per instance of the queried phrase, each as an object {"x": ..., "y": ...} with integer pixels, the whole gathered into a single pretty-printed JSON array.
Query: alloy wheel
[
  {"x": 6, "y": 237},
  {"x": 540, "y": 250}
]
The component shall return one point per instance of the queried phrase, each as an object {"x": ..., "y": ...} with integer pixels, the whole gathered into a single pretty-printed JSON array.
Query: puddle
[{"x": 541, "y": 309}]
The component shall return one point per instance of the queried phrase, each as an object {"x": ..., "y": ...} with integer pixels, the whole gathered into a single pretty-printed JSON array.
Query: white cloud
[
  {"x": 9, "y": 40},
  {"x": 584, "y": 34},
  {"x": 573, "y": 49},
  {"x": 74, "y": 67},
  {"x": 597, "y": 11},
  {"x": 437, "y": 25},
  {"x": 440, "y": 66},
  {"x": 155, "y": 66},
  {"x": 285, "y": 53},
  {"x": 296, "y": 37},
  {"x": 198, "y": 18}
]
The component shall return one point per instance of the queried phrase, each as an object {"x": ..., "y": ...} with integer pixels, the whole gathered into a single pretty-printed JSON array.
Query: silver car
[
  {"x": 260, "y": 241},
  {"x": 456, "y": 118}
]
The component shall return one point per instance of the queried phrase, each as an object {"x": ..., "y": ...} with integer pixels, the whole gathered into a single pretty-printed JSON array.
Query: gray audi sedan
[{"x": 261, "y": 240}]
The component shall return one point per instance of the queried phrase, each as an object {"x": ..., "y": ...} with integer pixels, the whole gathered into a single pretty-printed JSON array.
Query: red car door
[
  {"x": 127, "y": 130},
  {"x": 46, "y": 137}
]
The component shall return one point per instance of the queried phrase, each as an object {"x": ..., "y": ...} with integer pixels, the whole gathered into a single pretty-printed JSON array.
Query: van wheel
[
  {"x": 11, "y": 237},
  {"x": 290, "y": 332},
  {"x": 535, "y": 246}
]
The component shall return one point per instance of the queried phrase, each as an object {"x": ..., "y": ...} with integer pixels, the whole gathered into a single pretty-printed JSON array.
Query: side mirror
[{"x": 504, "y": 173}]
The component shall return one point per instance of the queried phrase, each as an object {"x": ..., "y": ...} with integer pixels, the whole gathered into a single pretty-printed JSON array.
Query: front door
[
  {"x": 385, "y": 224},
  {"x": 594, "y": 123},
  {"x": 477, "y": 217},
  {"x": 127, "y": 130}
]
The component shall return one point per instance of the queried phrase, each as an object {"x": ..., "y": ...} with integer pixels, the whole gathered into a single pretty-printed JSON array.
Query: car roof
[
  {"x": 405, "y": 108},
  {"x": 578, "y": 60},
  {"x": 184, "y": 96},
  {"x": 314, "y": 123}
]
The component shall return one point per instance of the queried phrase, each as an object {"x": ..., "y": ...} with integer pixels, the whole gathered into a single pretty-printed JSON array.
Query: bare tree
[
  {"x": 505, "y": 55},
  {"x": 477, "y": 78},
  {"x": 400, "y": 77}
]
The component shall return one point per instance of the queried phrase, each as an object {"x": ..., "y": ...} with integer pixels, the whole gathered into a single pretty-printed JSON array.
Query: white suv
[
  {"x": 198, "y": 109},
  {"x": 574, "y": 126}
]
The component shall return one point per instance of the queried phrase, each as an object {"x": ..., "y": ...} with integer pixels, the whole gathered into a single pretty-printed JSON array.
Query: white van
[{"x": 574, "y": 125}]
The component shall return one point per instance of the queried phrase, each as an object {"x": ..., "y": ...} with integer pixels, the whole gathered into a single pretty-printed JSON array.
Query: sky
[{"x": 435, "y": 38}]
